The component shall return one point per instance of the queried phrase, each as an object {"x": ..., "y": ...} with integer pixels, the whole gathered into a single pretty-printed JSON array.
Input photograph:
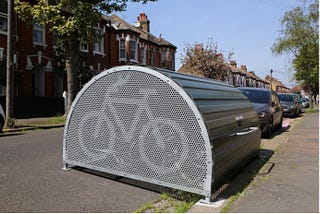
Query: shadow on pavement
[
  {"x": 129, "y": 181},
  {"x": 235, "y": 185},
  {"x": 242, "y": 179},
  {"x": 278, "y": 132}
]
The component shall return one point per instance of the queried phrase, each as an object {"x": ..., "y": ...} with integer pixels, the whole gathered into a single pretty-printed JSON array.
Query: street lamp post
[{"x": 271, "y": 71}]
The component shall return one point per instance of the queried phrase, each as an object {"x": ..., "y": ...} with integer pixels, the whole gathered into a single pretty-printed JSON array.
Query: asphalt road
[{"x": 32, "y": 180}]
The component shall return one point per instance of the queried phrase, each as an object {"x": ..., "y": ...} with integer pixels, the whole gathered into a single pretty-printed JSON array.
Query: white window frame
[
  {"x": 42, "y": 32},
  {"x": 243, "y": 81},
  {"x": 133, "y": 51},
  {"x": 150, "y": 59},
  {"x": 122, "y": 47},
  {"x": 84, "y": 47},
  {"x": 237, "y": 83},
  {"x": 143, "y": 55},
  {"x": 98, "y": 47}
]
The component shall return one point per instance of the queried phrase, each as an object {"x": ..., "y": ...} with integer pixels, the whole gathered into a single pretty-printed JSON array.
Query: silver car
[{"x": 2, "y": 118}]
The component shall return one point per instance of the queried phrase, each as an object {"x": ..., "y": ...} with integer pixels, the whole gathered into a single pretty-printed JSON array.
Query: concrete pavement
[
  {"x": 288, "y": 182},
  {"x": 293, "y": 183}
]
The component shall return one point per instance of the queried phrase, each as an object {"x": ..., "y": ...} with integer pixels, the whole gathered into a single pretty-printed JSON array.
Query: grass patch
[
  {"x": 311, "y": 110},
  {"x": 57, "y": 120},
  {"x": 170, "y": 204},
  {"x": 180, "y": 206},
  {"x": 145, "y": 207},
  {"x": 230, "y": 202}
]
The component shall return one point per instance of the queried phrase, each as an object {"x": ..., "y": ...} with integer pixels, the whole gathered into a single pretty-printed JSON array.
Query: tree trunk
[{"x": 72, "y": 74}]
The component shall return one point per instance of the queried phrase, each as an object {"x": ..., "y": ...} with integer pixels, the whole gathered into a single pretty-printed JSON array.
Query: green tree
[
  {"x": 300, "y": 38},
  {"x": 74, "y": 21},
  {"x": 205, "y": 61}
]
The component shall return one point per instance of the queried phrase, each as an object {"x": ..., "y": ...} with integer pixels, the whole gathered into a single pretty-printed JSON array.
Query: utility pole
[{"x": 10, "y": 71}]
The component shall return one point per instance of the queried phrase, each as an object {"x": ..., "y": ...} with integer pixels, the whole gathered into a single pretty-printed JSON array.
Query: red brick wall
[{"x": 24, "y": 46}]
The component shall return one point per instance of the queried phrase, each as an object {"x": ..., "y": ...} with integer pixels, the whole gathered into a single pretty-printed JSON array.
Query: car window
[
  {"x": 256, "y": 96},
  {"x": 286, "y": 97}
]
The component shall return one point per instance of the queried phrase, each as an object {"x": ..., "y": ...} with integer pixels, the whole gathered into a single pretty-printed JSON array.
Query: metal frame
[{"x": 161, "y": 75}]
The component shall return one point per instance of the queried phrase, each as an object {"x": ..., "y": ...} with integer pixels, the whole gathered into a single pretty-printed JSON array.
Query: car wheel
[
  {"x": 279, "y": 126},
  {"x": 269, "y": 128}
]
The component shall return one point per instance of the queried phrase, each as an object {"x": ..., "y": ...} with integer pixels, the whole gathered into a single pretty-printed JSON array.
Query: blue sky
[{"x": 246, "y": 27}]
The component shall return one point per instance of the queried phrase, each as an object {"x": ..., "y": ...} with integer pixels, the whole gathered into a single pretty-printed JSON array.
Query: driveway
[{"x": 32, "y": 180}]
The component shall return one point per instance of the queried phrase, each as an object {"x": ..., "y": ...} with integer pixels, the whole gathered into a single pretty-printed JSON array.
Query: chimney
[
  {"x": 144, "y": 22},
  {"x": 244, "y": 68},
  {"x": 199, "y": 47},
  {"x": 233, "y": 63}
]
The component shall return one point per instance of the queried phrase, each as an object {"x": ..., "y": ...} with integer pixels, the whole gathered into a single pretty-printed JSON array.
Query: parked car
[
  {"x": 305, "y": 103},
  {"x": 298, "y": 100},
  {"x": 268, "y": 107},
  {"x": 290, "y": 104},
  {"x": 2, "y": 118}
]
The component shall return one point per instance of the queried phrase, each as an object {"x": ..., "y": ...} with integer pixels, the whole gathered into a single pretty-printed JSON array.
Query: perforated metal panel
[{"x": 136, "y": 122}]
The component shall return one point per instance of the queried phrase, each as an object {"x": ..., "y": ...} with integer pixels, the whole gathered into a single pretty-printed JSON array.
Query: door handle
[{"x": 251, "y": 129}]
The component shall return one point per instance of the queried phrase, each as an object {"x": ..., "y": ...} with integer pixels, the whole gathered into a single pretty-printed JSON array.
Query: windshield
[
  {"x": 285, "y": 97},
  {"x": 256, "y": 96}
]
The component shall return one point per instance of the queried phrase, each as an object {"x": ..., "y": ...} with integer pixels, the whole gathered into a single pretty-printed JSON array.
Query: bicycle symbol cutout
[{"x": 169, "y": 139}]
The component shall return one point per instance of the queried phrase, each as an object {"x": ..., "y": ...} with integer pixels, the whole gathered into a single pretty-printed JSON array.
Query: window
[
  {"x": 142, "y": 55},
  {"x": 83, "y": 46},
  {"x": 163, "y": 59},
  {"x": 132, "y": 50},
  {"x": 38, "y": 34},
  {"x": 3, "y": 17},
  {"x": 1, "y": 53},
  {"x": 230, "y": 79},
  {"x": 243, "y": 81},
  {"x": 172, "y": 60},
  {"x": 122, "y": 50},
  {"x": 99, "y": 45},
  {"x": 151, "y": 56},
  {"x": 236, "y": 82}
]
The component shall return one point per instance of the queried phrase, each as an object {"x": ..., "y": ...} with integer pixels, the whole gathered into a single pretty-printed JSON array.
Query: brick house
[
  {"x": 122, "y": 43},
  {"x": 238, "y": 77}
]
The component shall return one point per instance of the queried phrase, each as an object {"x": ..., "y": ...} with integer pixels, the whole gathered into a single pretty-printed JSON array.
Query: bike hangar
[{"x": 161, "y": 127}]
